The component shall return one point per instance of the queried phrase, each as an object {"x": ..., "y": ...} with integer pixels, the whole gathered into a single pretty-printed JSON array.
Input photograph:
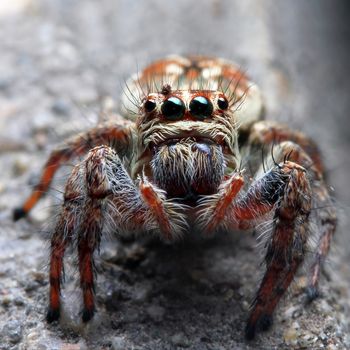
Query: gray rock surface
[{"x": 59, "y": 63}]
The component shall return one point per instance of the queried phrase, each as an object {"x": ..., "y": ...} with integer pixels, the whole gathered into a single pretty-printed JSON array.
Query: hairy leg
[
  {"x": 284, "y": 191},
  {"x": 61, "y": 237},
  {"x": 213, "y": 208},
  {"x": 326, "y": 223},
  {"x": 117, "y": 136},
  {"x": 89, "y": 236},
  {"x": 102, "y": 199},
  {"x": 286, "y": 247},
  {"x": 268, "y": 132},
  {"x": 325, "y": 213}
]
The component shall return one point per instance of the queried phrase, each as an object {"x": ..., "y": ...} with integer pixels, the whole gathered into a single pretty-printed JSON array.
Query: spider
[{"x": 174, "y": 167}]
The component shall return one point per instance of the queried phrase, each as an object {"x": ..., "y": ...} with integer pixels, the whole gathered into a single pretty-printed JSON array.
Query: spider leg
[
  {"x": 267, "y": 132},
  {"x": 327, "y": 222},
  {"x": 213, "y": 209},
  {"x": 118, "y": 136},
  {"x": 88, "y": 240},
  {"x": 101, "y": 199},
  {"x": 170, "y": 225},
  {"x": 286, "y": 189},
  {"x": 287, "y": 244},
  {"x": 60, "y": 239},
  {"x": 326, "y": 218},
  {"x": 56, "y": 268}
]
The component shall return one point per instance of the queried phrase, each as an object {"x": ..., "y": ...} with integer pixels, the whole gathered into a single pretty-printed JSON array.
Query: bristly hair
[
  {"x": 235, "y": 86},
  {"x": 188, "y": 165}
]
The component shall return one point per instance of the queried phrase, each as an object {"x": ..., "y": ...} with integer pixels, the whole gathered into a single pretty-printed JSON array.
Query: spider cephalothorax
[
  {"x": 176, "y": 166},
  {"x": 188, "y": 136}
]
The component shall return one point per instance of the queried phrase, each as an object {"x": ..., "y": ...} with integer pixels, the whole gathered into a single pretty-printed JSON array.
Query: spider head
[
  {"x": 198, "y": 114},
  {"x": 187, "y": 129},
  {"x": 191, "y": 136}
]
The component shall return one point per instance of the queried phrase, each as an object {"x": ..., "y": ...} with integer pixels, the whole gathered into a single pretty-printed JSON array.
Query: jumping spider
[{"x": 173, "y": 166}]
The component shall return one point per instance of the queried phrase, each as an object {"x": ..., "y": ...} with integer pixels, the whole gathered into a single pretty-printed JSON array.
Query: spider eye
[
  {"x": 173, "y": 108},
  {"x": 149, "y": 106},
  {"x": 200, "y": 107},
  {"x": 222, "y": 103}
]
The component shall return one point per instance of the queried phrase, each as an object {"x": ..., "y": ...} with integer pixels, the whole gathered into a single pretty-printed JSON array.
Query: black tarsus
[
  {"x": 264, "y": 323},
  {"x": 18, "y": 213},
  {"x": 52, "y": 315},
  {"x": 87, "y": 314}
]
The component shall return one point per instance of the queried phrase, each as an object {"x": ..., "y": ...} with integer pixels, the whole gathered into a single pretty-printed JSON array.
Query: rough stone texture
[{"x": 59, "y": 61}]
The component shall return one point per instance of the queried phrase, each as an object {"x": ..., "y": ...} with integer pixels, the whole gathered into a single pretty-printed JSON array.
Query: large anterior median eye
[
  {"x": 201, "y": 108},
  {"x": 173, "y": 108}
]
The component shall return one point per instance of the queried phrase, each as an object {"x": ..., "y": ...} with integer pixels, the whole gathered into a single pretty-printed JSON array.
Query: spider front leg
[
  {"x": 100, "y": 196},
  {"x": 286, "y": 247},
  {"x": 80, "y": 222},
  {"x": 286, "y": 190},
  {"x": 62, "y": 236},
  {"x": 306, "y": 153},
  {"x": 326, "y": 220}
]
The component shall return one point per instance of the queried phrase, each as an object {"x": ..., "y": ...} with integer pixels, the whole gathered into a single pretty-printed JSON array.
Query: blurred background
[{"x": 62, "y": 62}]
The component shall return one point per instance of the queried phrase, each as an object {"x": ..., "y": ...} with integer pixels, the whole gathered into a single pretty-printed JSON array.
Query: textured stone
[
  {"x": 181, "y": 340},
  {"x": 12, "y": 330},
  {"x": 118, "y": 343},
  {"x": 156, "y": 312}
]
